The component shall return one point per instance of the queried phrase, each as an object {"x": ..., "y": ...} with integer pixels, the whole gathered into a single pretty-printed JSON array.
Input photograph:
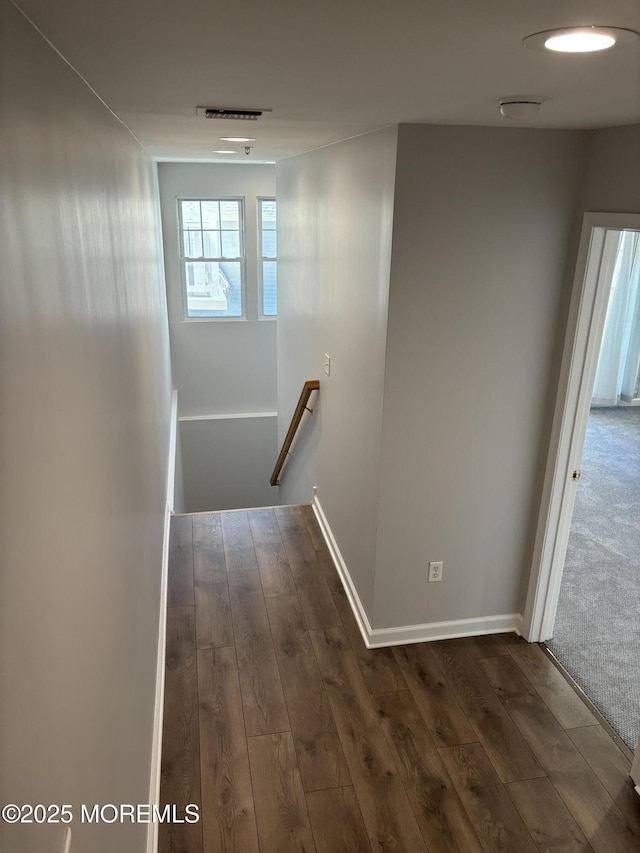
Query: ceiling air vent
[{"x": 236, "y": 114}]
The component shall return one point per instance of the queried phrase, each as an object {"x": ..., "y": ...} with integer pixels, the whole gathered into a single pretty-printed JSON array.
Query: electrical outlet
[{"x": 435, "y": 571}]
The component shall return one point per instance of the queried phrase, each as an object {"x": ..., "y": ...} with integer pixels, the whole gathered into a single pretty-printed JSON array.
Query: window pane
[
  {"x": 268, "y": 249},
  {"x": 205, "y": 289},
  {"x": 269, "y": 244},
  {"x": 269, "y": 288},
  {"x": 230, "y": 215},
  {"x": 213, "y": 289},
  {"x": 230, "y": 244},
  {"x": 268, "y": 211},
  {"x": 233, "y": 275},
  {"x": 211, "y": 243},
  {"x": 191, "y": 214},
  {"x": 210, "y": 215},
  {"x": 193, "y": 244}
]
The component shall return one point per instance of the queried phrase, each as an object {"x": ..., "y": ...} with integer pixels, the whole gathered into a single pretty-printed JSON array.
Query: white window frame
[
  {"x": 262, "y": 258},
  {"x": 184, "y": 259}
]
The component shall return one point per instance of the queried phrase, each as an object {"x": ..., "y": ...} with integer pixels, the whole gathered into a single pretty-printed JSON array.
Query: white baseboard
[
  {"x": 343, "y": 572},
  {"x": 382, "y": 637},
  {"x": 158, "y": 714},
  {"x": 502, "y": 624}
]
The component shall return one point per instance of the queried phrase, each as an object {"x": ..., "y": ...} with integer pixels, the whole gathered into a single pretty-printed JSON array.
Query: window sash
[
  {"x": 195, "y": 263},
  {"x": 267, "y": 262}
]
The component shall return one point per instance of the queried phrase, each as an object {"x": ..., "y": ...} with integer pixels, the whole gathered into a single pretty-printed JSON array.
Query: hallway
[{"x": 290, "y": 735}]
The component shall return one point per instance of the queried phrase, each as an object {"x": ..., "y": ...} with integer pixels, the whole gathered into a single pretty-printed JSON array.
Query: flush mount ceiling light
[
  {"x": 225, "y": 152},
  {"x": 519, "y": 107},
  {"x": 580, "y": 42},
  {"x": 587, "y": 39},
  {"x": 237, "y": 139}
]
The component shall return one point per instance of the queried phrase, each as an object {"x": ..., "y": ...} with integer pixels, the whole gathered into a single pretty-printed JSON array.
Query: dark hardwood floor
[{"x": 291, "y": 735}]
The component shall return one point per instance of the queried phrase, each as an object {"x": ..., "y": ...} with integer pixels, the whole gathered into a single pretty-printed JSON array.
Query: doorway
[
  {"x": 596, "y": 636},
  {"x": 602, "y": 351}
]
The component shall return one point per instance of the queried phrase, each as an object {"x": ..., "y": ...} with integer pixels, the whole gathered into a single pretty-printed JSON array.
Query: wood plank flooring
[{"x": 291, "y": 735}]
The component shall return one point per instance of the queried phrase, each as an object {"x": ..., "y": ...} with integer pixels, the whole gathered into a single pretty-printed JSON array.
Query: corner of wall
[
  {"x": 357, "y": 607},
  {"x": 336, "y": 214},
  {"x": 402, "y": 634}
]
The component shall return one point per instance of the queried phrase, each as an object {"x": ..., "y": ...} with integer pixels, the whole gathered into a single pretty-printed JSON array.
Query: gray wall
[
  {"x": 484, "y": 223},
  {"x": 222, "y": 367},
  {"x": 610, "y": 184},
  {"x": 612, "y": 179},
  {"x": 227, "y": 463},
  {"x": 85, "y": 399},
  {"x": 225, "y": 365},
  {"x": 483, "y": 220},
  {"x": 335, "y": 218}
]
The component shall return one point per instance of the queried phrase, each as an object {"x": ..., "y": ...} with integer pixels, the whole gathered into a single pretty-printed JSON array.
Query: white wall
[
  {"x": 483, "y": 219},
  {"x": 226, "y": 366},
  {"x": 85, "y": 399},
  {"x": 335, "y": 208}
]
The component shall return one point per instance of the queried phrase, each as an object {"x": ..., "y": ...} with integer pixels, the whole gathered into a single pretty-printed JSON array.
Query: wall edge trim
[
  {"x": 158, "y": 713},
  {"x": 227, "y": 417},
  {"x": 173, "y": 452},
  {"x": 382, "y": 637},
  {"x": 343, "y": 572}
]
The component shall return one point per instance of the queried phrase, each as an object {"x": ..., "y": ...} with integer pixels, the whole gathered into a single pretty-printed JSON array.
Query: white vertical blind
[{"x": 619, "y": 360}]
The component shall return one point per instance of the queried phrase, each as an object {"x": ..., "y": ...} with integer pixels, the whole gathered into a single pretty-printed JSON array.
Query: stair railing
[{"x": 308, "y": 388}]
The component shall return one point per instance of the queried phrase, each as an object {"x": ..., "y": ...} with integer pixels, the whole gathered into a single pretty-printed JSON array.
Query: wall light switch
[{"x": 327, "y": 364}]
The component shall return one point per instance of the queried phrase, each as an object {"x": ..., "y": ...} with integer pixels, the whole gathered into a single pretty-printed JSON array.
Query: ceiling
[{"x": 332, "y": 69}]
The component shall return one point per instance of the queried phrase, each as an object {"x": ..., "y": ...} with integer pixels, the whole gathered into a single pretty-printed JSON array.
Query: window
[
  {"x": 268, "y": 253},
  {"x": 212, "y": 256}
]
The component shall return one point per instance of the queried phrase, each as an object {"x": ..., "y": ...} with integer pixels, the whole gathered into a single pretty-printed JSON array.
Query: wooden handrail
[{"x": 309, "y": 386}]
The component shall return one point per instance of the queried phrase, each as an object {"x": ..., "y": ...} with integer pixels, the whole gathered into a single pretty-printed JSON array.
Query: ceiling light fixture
[
  {"x": 519, "y": 107},
  {"x": 237, "y": 139},
  {"x": 225, "y": 152},
  {"x": 580, "y": 42},
  {"x": 587, "y": 39}
]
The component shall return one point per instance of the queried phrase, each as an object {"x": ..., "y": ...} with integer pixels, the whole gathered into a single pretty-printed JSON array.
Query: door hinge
[{"x": 576, "y": 474}]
